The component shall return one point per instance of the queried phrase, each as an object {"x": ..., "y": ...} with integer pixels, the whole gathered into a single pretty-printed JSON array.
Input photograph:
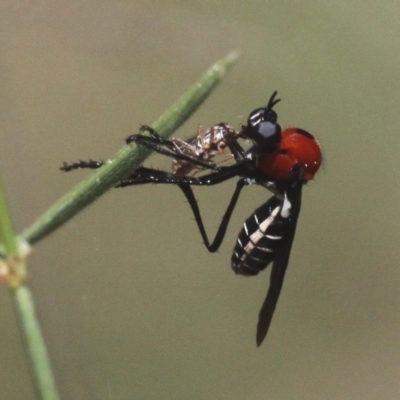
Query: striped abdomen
[{"x": 262, "y": 236}]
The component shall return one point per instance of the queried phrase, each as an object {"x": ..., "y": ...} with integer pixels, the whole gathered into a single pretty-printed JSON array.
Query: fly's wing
[{"x": 279, "y": 268}]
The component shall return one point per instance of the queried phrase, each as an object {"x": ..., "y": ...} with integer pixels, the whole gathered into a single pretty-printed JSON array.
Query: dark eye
[
  {"x": 262, "y": 127},
  {"x": 264, "y": 133},
  {"x": 267, "y": 133}
]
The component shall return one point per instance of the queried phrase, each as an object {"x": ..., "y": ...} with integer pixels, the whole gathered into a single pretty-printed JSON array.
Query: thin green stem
[
  {"x": 35, "y": 346},
  {"x": 14, "y": 273},
  {"x": 12, "y": 269},
  {"x": 129, "y": 158},
  {"x": 6, "y": 229}
]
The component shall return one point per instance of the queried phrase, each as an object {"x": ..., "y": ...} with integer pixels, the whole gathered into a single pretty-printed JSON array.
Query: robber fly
[{"x": 282, "y": 161}]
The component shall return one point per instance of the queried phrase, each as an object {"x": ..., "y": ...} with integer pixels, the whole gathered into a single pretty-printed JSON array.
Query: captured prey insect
[
  {"x": 194, "y": 154},
  {"x": 204, "y": 147},
  {"x": 282, "y": 161}
]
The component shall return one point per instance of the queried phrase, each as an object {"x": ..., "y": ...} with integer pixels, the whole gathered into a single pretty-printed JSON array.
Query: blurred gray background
[{"x": 132, "y": 304}]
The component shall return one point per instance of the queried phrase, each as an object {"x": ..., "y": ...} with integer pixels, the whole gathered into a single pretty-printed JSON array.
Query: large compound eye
[
  {"x": 262, "y": 127},
  {"x": 267, "y": 133}
]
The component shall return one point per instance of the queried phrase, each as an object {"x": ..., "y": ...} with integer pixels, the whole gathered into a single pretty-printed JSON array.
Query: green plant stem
[
  {"x": 85, "y": 193},
  {"x": 35, "y": 346},
  {"x": 129, "y": 158},
  {"x": 25, "y": 308},
  {"x": 6, "y": 229}
]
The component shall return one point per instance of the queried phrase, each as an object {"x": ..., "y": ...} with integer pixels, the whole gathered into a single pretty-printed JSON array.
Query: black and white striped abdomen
[{"x": 262, "y": 236}]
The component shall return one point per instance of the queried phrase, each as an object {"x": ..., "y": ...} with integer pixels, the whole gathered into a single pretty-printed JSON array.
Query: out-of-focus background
[{"x": 132, "y": 304}]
